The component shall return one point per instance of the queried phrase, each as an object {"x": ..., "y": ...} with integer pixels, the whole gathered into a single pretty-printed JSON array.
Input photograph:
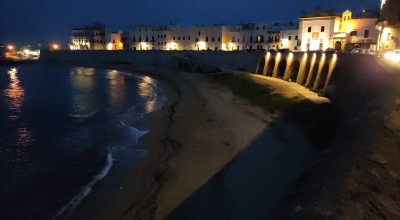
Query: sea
[{"x": 62, "y": 129}]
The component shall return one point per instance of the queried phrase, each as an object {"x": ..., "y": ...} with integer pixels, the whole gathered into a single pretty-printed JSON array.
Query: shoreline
[{"x": 160, "y": 182}]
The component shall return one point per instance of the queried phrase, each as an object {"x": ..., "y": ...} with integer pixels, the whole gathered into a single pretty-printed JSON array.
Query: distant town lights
[{"x": 10, "y": 47}]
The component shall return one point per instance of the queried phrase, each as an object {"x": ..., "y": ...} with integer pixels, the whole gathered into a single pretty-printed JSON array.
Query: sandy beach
[{"x": 203, "y": 135}]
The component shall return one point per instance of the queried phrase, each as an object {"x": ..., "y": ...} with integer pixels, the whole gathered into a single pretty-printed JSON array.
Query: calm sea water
[{"x": 61, "y": 129}]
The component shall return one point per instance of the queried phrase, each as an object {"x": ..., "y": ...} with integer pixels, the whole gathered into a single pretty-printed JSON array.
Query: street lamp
[{"x": 55, "y": 46}]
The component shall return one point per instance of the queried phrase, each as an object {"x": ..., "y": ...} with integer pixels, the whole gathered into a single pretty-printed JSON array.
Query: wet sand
[{"x": 202, "y": 131}]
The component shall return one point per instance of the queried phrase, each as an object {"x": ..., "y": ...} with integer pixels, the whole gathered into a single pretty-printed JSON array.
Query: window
[
  {"x": 322, "y": 28},
  {"x": 134, "y": 39},
  {"x": 199, "y": 33},
  {"x": 366, "y": 33},
  {"x": 212, "y": 39},
  {"x": 179, "y": 38},
  {"x": 188, "y": 37},
  {"x": 206, "y": 39},
  {"x": 233, "y": 39},
  {"x": 140, "y": 39},
  {"x": 244, "y": 38},
  {"x": 165, "y": 36},
  {"x": 174, "y": 38},
  {"x": 258, "y": 28},
  {"x": 183, "y": 38},
  {"x": 309, "y": 29},
  {"x": 296, "y": 38},
  {"x": 219, "y": 38},
  {"x": 251, "y": 39},
  {"x": 147, "y": 39},
  {"x": 152, "y": 38},
  {"x": 263, "y": 27},
  {"x": 270, "y": 39},
  {"x": 290, "y": 37},
  {"x": 353, "y": 33}
]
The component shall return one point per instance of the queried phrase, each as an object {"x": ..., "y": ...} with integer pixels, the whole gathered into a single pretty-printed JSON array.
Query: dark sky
[{"x": 48, "y": 21}]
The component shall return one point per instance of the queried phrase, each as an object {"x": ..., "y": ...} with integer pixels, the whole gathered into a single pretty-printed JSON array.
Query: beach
[{"x": 199, "y": 132}]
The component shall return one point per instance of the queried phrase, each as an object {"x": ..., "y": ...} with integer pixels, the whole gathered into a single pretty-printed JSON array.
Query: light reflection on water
[
  {"x": 24, "y": 137},
  {"x": 84, "y": 103},
  {"x": 117, "y": 91},
  {"x": 148, "y": 87},
  {"x": 15, "y": 94}
]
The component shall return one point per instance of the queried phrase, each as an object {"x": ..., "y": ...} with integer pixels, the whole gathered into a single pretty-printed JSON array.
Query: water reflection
[
  {"x": 117, "y": 91},
  {"x": 15, "y": 94},
  {"x": 84, "y": 104},
  {"x": 148, "y": 92}
]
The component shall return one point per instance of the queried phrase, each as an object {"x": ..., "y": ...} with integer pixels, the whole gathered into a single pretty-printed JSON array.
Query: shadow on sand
[{"x": 252, "y": 183}]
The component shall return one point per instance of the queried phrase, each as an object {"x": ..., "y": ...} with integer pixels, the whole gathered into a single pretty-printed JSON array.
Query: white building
[
  {"x": 199, "y": 37},
  {"x": 215, "y": 37},
  {"x": 290, "y": 39},
  {"x": 248, "y": 36},
  {"x": 114, "y": 41},
  {"x": 89, "y": 38},
  {"x": 150, "y": 37},
  {"x": 322, "y": 30}
]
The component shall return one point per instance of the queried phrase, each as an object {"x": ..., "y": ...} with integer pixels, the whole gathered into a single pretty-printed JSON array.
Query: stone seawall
[{"x": 207, "y": 61}]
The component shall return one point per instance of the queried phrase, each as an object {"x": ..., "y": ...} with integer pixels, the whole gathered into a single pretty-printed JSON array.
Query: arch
[
  {"x": 186, "y": 67},
  {"x": 281, "y": 68},
  {"x": 294, "y": 70},
  {"x": 314, "y": 74},
  {"x": 197, "y": 69},
  {"x": 307, "y": 71},
  {"x": 323, "y": 76},
  {"x": 180, "y": 65},
  {"x": 271, "y": 67},
  {"x": 260, "y": 66},
  {"x": 338, "y": 45}
]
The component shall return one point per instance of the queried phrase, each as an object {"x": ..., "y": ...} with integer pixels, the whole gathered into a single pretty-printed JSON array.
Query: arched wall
[{"x": 297, "y": 62}]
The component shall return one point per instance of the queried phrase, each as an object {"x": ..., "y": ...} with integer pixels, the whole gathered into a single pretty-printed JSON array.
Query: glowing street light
[
  {"x": 55, "y": 46},
  {"x": 10, "y": 47}
]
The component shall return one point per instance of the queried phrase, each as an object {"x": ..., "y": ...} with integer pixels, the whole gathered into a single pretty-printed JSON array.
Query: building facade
[
  {"x": 215, "y": 37},
  {"x": 389, "y": 25},
  {"x": 323, "y": 30},
  {"x": 290, "y": 39},
  {"x": 114, "y": 41},
  {"x": 89, "y": 38},
  {"x": 248, "y": 37}
]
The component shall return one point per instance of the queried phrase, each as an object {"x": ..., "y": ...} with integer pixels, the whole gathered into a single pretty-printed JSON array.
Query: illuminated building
[
  {"x": 247, "y": 36},
  {"x": 149, "y": 37},
  {"x": 89, "y": 38},
  {"x": 322, "y": 30},
  {"x": 290, "y": 39},
  {"x": 175, "y": 37},
  {"x": 199, "y": 37},
  {"x": 389, "y": 25},
  {"x": 114, "y": 41},
  {"x": 274, "y": 41}
]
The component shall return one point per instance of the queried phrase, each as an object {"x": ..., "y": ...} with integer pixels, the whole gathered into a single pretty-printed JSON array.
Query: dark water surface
[{"x": 61, "y": 129}]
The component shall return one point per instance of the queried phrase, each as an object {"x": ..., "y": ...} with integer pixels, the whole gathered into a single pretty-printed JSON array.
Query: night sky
[{"x": 51, "y": 21}]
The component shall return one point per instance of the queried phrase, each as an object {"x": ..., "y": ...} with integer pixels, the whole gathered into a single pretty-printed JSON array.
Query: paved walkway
[{"x": 289, "y": 89}]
